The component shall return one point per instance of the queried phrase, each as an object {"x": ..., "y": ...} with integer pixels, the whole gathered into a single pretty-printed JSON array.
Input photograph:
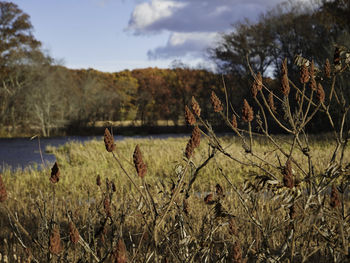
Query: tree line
[{"x": 37, "y": 95}]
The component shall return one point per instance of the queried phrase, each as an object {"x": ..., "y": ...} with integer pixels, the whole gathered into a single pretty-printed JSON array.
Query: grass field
[{"x": 113, "y": 216}]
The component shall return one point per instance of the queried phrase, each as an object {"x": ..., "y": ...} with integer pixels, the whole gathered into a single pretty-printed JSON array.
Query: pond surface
[{"x": 19, "y": 153}]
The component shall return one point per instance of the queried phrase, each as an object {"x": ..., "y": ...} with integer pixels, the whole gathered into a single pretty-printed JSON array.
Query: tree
[{"x": 18, "y": 50}]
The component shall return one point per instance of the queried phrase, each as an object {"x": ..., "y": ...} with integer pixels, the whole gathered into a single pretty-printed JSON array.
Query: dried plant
[
  {"x": 327, "y": 69},
  {"x": 335, "y": 201},
  {"x": 140, "y": 166},
  {"x": 288, "y": 179},
  {"x": 189, "y": 117},
  {"x": 285, "y": 80},
  {"x": 119, "y": 253},
  {"x": 271, "y": 102},
  {"x": 98, "y": 180},
  {"x": 55, "y": 174},
  {"x": 320, "y": 93},
  {"x": 195, "y": 107},
  {"x": 55, "y": 241},
  {"x": 247, "y": 112},
  {"x": 304, "y": 74},
  {"x": 109, "y": 141},
  {"x": 73, "y": 233},
  {"x": 3, "y": 193},
  {"x": 237, "y": 253},
  {"x": 215, "y": 101},
  {"x": 234, "y": 121}
]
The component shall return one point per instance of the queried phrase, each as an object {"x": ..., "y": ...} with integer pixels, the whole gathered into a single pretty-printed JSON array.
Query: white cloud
[{"x": 192, "y": 25}]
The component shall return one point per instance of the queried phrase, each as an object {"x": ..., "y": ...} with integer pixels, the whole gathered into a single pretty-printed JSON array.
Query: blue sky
[{"x": 112, "y": 35}]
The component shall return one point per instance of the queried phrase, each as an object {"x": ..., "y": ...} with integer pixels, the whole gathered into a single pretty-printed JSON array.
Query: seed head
[
  {"x": 247, "y": 112},
  {"x": 55, "y": 241},
  {"x": 195, "y": 107},
  {"x": 209, "y": 199},
  {"x": 189, "y": 149},
  {"x": 107, "y": 206},
  {"x": 320, "y": 93},
  {"x": 219, "y": 191},
  {"x": 257, "y": 85},
  {"x": 55, "y": 173},
  {"x": 285, "y": 81},
  {"x": 312, "y": 69},
  {"x": 98, "y": 180},
  {"x": 288, "y": 180},
  {"x": 196, "y": 136},
  {"x": 304, "y": 74},
  {"x": 237, "y": 253},
  {"x": 234, "y": 121},
  {"x": 335, "y": 202},
  {"x": 232, "y": 227},
  {"x": 3, "y": 193},
  {"x": 271, "y": 102},
  {"x": 73, "y": 233},
  {"x": 189, "y": 117},
  {"x": 119, "y": 253},
  {"x": 327, "y": 68},
  {"x": 140, "y": 166},
  {"x": 109, "y": 141},
  {"x": 215, "y": 101}
]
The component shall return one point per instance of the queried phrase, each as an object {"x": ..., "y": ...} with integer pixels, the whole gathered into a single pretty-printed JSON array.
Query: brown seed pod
[
  {"x": 109, "y": 141},
  {"x": 284, "y": 80},
  {"x": 140, "y": 166},
  {"x": 304, "y": 74},
  {"x": 271, "y": 102},
  {"x": 3, "y": 193},
  {"x": 189, "y": 149},
  {"x": 55, "y": 241},
  {"x": 313, "y": 84},
  {"x": 98, "y": 180},
  {"x": 195, "y": 107},
  {"x": 114, "y": 189},
  {"x": 312, "y": 70},
  {"x": 215, "y": 101},
  {"x": 73, "y": 233},
  {"x": 120, "y": 254},
  {"x": 335, "y": 201},
  {"x": 189, "y": 117},
  {"x": 257, "y": 85},
  {"x": 107, "y": 206},
  {"x": 288, "y": 180},
  {"x": 320, "y": 93},
  {"x": 327, "y": 68},
  {"x": 237, "y": 253},
  {"x": 247, "y": 112},
  {"x": 196, "y": 137},
  {"x": 234, "y": 121},
  {"x": 55, "y": 173}
]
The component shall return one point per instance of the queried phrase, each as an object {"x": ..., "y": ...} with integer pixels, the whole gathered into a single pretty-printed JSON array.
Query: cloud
[{"x": 192, "y": 25}]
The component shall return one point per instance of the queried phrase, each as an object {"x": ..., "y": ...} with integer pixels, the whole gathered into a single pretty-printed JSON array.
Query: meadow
[{"x": 249, "y": 196}]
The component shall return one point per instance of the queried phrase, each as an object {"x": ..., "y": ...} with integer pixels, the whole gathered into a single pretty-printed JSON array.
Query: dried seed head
[
  {"x": 109, "y": 141},
  {"x": 3, "y": 193},
  {"x": 140, "y": 166},
  {"x": 55, "y": 241},
  {"x": 304, "y": 74},
  {"x": 55, "y": 173},
  {"x": 288, "y": 180},
  {"x": 189, "y": 117},
  {"x": 114, "y": 189},
  {"x": 209, "y": 199},
  {"x": 257, "y": 85},
  {"x": 313, "y": 84},
  {"x": 247, "y": 112},
  {"x": 73, "y": 233},
  {"x": 196, "y": 137},
  {"x": 119, "y": 253},
  {"x": 237, "y": 253},
  {"x": 107, "y": 206},
  {"x": 335, "y": 201},
  {"x": 232, "y": 227},
  {"x": 234, "y": 122},
  {"x": 98, "y": 180},
  {"x": 320, "y": 93},
  {"x": 312, "y": 70},
  {"x": 195, "y": 107},
  {"x": 215, "y": 101},
  {"x": 284, "y": 80},
  {"x": 271, "y": 102},
  {"x": 189, "y": 149},
  {"x": 327, "y": 68}
]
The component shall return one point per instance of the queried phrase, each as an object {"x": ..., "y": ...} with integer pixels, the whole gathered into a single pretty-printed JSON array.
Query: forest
[{"x": 40, "y": 96}]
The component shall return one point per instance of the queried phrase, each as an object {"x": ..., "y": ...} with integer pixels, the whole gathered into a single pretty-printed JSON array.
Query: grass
[{"x": 35, "y": 199}]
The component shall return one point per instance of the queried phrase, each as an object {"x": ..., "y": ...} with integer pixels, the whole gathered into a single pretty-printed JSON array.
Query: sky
[{"x": 113, "y": 35}]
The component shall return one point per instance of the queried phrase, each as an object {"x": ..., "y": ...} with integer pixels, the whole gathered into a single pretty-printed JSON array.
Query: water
[{"x": 19, "y": 153}]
